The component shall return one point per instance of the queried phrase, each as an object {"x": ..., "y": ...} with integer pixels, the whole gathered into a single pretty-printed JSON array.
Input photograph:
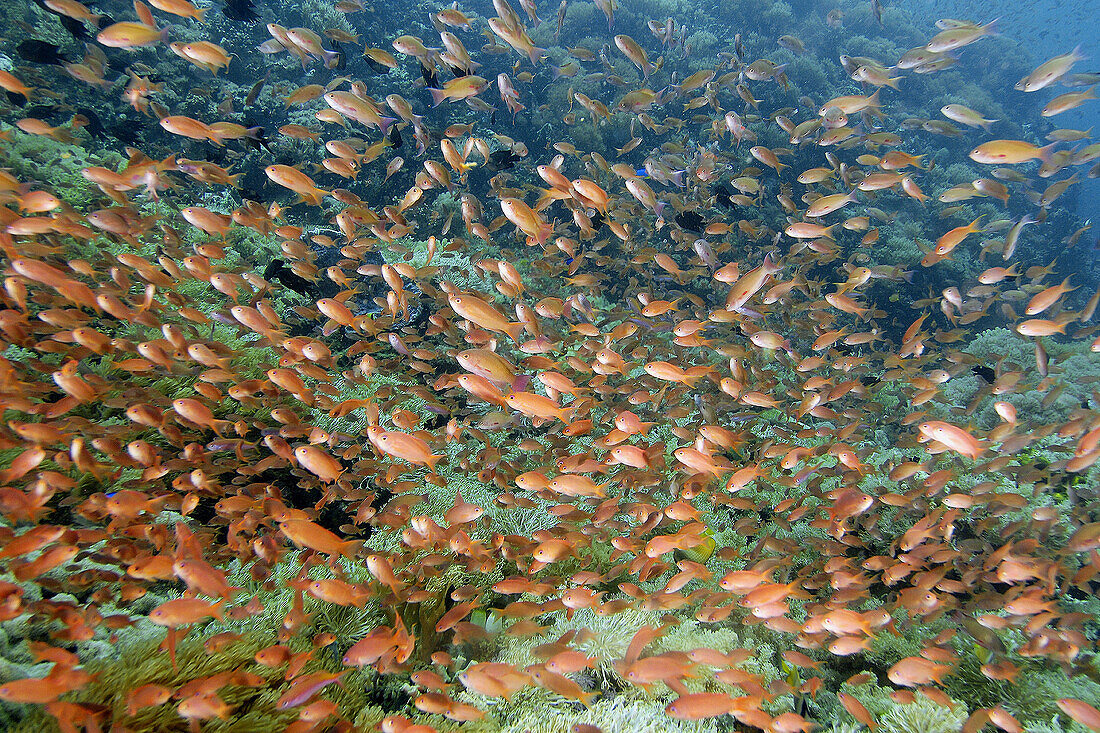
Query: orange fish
[
  {"x": 131, "y": 35},
  {"x": 298, "y": 182},
  {"x": 187, "y": 127},
  {"x": 403, "y": 445},
  {"x": 526, "y": 220},
  {"x": 950, "y": 240},
  {"x": 536, "y": 405},
  {"x": 916, "y": 671},
  {"x": 1009, "y": 152},
  {"x": 1077, "y": 710},
  {"x": 305, "y": 533},
  {"x": 953, "y": 437},
  {"x": 185, "y": 611},
  {"x": 481, "y": 313}
]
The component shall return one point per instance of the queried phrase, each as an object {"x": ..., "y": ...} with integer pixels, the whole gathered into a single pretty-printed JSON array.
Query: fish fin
[
  {"x": 545, "y": 231},
  {"x": 384, "y": 123},
  {"x": 535, "y": 54},
  {"x": 515, "y": 330},
  {"x": 350, "y": 549},
  {"x": 691, "y": 379},
  {"x": 438, "y": 96}
]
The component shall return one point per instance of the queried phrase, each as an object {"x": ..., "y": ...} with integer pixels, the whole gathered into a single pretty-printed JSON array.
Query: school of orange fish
[{"x": 741, "y": 357}]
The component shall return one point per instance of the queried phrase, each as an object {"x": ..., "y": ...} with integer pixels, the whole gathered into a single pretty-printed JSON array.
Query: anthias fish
[{"x": 687, "y": 378}]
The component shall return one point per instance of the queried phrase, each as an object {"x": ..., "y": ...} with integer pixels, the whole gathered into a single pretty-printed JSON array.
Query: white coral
[{"x": 922, "y": 716}]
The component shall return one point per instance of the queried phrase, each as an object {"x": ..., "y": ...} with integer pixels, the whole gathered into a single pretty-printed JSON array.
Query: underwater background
[
  {"x": 628, "y": 367},
  {"x": 1044, "y": 30}
]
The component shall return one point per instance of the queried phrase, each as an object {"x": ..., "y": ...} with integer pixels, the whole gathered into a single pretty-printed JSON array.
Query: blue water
[{"x": 1038, "y": 31}]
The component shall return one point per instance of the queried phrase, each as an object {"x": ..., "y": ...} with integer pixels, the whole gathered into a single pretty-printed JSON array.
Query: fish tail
[
  {"x": 770, "y": 265},
  {"x": 7, "y": 244},
  {"x": 351, "y": 548},
  {"x": 545, "y": 199},
  {"x": 438, "y": 96},
  {"x": 169, "y": 164},
  {"x": 690, "y": 379},
  {"x": 384, "y": 124},
  {"x": 544, "y": 232},
  {"x": 515, "y": 330}
]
